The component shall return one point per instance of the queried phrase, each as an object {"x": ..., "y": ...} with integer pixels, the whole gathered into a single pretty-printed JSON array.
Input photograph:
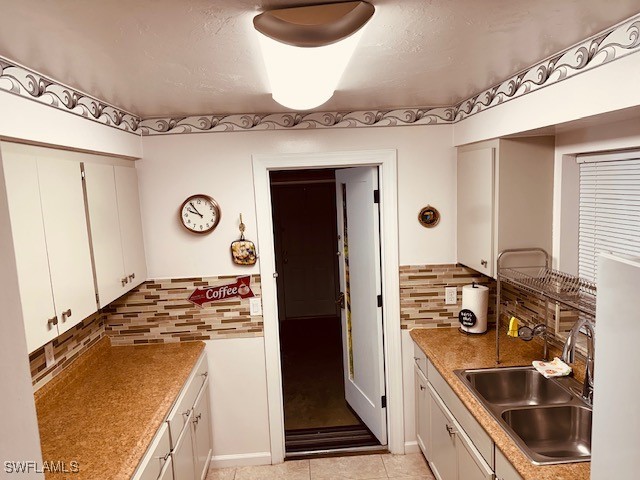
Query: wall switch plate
[
  {"x": 48, "y": 354},
  {"x": 255, "y": 306},
  {"x": 450, "y": 295}
]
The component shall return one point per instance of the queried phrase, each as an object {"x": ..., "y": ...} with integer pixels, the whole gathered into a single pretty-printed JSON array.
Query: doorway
[
  {"x": 313, "y": 345},
  {"x": 386, "y": 161}
]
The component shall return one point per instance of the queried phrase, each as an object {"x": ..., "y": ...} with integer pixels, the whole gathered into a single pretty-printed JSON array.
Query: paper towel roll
[{"x": 476, "y": 298}]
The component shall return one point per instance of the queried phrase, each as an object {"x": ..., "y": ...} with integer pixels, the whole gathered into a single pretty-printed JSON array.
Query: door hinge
[
  {"x": 376, "y": 196},
  {"x": 82, "y": 174},
  {"x": 383, "y": 401},
  {"x": 379, "y": 300},
  {"x": 98, "y": 298}
]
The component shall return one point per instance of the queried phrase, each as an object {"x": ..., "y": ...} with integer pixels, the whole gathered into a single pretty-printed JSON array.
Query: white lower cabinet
[
  {"x": 471, "y": 465},
  {"x": 451, "y": 439},
  {"x": 201, "y": 427},
  {"x": 182, "y": 454},
  {"x": 423, "y": 420},
  {"x": 504, "y": 469},
  {"x": 157, "y": 456},
  {"x": 443, "y": 441},
  {"x": 185, "y": 452},
  {"x": 167, "y": 470}
]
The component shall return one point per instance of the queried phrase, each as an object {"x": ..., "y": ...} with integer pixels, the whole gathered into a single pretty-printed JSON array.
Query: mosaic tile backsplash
[
  {"x": 158, "y": 312},
  {"x": 66, "y": 348},
  {"x": 422, "y": 298}
]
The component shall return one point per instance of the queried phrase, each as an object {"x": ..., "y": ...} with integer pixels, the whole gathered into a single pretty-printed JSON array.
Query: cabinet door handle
[
  {"x": 66, "y": 314},
  {"x": 52, "y": 321},
  {"x": 484, "y": 263},
  {"x": 197, "y": 419},
  {"x": 124, "y": 280},
  {"x": 451, "y": 430},
  {"x": 422, "y": 387},
  {"x": 132, "y": 276}
]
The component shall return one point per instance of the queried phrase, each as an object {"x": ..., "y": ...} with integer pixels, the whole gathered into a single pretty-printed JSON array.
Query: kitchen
[{"x": 221, "y": 155}]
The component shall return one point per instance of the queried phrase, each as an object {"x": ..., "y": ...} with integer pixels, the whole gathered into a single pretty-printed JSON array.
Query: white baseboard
[
  {"x": 411, "y": 447},
  {"x": 241, "y": 460}
]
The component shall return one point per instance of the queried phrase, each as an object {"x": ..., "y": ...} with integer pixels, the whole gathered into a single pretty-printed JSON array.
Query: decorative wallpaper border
[
  {"x": 297, "y": 121},
  {"x": 617, "y": 42},
  {"x": 614, "y": 43},
  {"x": 33, "y": 86}
]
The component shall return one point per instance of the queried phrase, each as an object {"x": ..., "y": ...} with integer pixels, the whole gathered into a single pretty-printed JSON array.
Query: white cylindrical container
[{"x": 475, "y": 298}]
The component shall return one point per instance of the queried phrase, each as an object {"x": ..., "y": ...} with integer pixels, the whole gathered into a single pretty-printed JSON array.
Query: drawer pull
[
  {"x": 52, "y": 321},
  {"x": 422, "y": 387},
  {"x": 484, "y": 263},
  {"x": 66, "y": 314},
  {"x": 451, "y": 430}
]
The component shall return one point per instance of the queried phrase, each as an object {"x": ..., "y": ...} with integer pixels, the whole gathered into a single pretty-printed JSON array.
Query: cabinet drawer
[
  {"x": 154, "y": 461},
  {"x": 420, "y": 358},
  {"x": 177, "y": 419},
  {"x": 476, "y": 433}
]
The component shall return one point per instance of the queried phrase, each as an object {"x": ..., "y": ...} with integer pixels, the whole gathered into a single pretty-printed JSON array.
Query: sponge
[{"x": 513, "y": 327}]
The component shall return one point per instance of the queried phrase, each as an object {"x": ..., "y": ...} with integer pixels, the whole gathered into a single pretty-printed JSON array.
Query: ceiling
[{"x": 189, "y": 57}]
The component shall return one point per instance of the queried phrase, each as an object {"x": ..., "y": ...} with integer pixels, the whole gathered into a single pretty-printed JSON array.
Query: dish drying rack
[{"x": 549, "y": 284}]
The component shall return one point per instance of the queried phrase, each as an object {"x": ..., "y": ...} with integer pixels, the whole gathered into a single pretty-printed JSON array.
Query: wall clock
[{"x": 200, "y": 214}]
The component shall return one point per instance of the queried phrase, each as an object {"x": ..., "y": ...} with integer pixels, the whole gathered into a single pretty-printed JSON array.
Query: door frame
[{"x": 386, "y": 161}]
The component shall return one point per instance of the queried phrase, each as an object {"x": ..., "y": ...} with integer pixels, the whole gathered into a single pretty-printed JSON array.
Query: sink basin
[
  {"x": 521, "y": 386},
  {"x": 548, "y": 421},
  {"x": 558, "y": 432}
]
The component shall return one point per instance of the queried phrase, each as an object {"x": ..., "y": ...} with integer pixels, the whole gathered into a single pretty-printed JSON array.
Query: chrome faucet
[{"x": 569, "y": 349}]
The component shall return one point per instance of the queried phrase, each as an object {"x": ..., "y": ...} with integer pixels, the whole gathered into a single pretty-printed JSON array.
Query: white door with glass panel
[{"x": 360, "y": 284}]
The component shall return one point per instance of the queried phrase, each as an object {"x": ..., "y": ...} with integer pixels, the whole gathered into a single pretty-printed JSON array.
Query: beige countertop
[
  {"x": 104, "y": 410},
  {"x": 449, "y": 350}
]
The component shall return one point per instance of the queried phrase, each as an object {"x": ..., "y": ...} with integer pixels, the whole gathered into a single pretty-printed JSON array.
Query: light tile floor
[{"x": 361, "y": 467}]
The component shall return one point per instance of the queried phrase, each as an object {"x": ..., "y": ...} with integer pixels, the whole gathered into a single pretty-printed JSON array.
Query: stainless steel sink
[
  {"x": 553, "y": 432},
  {"x": 516, "y": 386},
  {"x": 546, "y": 418}
]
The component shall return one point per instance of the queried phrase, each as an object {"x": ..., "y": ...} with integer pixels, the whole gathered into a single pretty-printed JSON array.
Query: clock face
[{"x": 200, "y": 214}]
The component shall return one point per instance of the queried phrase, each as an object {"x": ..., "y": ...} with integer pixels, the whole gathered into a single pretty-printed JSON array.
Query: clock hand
[
  {"x": 196, "y": 210},
  {"x": 192, "y": 211}
]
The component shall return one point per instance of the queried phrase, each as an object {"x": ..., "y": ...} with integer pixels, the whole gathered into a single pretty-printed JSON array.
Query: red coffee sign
[{"x": 242, "y": 289}]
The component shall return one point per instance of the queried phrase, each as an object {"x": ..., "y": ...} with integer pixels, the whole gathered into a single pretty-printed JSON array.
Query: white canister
[{"x": 475, "y": 299}]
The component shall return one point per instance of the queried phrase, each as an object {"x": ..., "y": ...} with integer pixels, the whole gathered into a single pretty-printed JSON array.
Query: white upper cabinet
[
  {"x": 65, "y": 226},
  {"x": 116, "y": 230},
  {"x": 102, "y": 204},
  {"x": 30, "y": 246},
  {"x": 70, "y": 238},
  {"x": 51, "y": 240},
  {"x": 475, "y": 209},
  {"x": 505, "y": 199},
  {"x": 130, "y": 225}
]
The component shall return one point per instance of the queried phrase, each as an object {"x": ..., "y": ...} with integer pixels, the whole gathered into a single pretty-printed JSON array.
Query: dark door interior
[{"x": 317, "y": 416}]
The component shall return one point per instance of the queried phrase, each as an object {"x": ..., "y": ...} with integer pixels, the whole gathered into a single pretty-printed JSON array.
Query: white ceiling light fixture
[{"x": 306, "y": 49}]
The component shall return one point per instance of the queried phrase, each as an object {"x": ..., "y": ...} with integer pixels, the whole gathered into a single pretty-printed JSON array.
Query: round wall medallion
[
  {"x": 200, "y": 214},
  {"x": 429, "y": 217}
]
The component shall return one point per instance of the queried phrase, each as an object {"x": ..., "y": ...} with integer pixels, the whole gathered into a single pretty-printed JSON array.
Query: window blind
[{"x": 609, "y": 208}]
